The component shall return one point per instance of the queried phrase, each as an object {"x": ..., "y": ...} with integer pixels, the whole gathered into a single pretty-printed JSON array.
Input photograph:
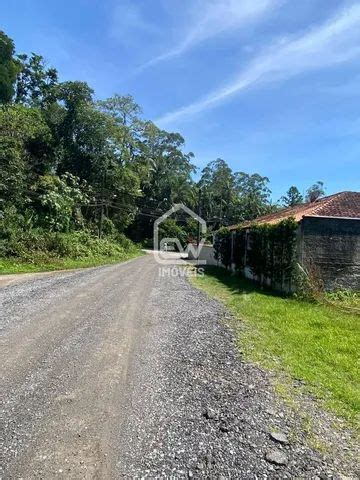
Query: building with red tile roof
[
  {"x": 339, "y": 205},
  {"x": 328, "y": 238}
]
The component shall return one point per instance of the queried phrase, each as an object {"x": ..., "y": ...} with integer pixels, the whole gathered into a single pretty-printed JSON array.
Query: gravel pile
[{"x": 197, "y": 410}]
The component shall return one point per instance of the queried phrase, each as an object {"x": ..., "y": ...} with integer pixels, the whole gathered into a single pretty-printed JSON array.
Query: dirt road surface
[{"x": 116, "y": 372}]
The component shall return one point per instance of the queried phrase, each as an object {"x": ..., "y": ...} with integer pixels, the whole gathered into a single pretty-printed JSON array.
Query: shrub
[
  {"x": 35, "y": 245},
  {"x": 273, "y": 251},
  {"x": 222, "y": 246},
  {"x": 272, "y": 254},
  {"x": 169, "y": 228}
]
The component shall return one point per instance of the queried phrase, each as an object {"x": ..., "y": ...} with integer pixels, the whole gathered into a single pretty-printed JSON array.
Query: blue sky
[{"x": 271, "y": 86}]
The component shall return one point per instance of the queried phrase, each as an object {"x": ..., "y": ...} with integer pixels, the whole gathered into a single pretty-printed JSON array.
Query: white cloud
[
  {"x": 212, "y": 18},
  {"x": 336, "y": 41}
]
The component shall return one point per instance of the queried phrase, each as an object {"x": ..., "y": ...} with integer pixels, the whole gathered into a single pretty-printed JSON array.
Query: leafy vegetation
[
  {"x": 46, "y": 264},
  {"x": 315, "y": 191},
  {"x": 312, "y": 342},
  {"x": 346, "y": 300},
  {"x": 26, "y": 250},
  {"x": 8, "y": 68},
  {"x": 292, "y": 197},
  {"x": 222, "y": 246},
  {"x": 271, "y": 255}
]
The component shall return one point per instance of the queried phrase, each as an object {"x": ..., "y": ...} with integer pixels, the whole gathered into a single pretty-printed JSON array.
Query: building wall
[
  {"x": 330, "y": 249},
  {"x": 207, "y": 253}
]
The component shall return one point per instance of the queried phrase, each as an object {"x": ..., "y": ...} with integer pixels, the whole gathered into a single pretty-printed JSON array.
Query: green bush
[
  {"x": 38, "y": 245},
  {"x": 169, "y": 228},
  {"x": 272, "y": 254},
  {"x": 222, "y": 246}
]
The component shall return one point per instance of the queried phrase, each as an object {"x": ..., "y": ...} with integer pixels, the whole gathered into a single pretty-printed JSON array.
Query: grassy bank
[
  {"x": 37, "y": 251},
  {"x": 14, "y": 265},
  {"x": 315, "y": 343}
]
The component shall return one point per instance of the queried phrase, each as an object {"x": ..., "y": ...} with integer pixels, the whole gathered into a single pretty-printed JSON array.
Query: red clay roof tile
[{"x": 343, "y": 204}]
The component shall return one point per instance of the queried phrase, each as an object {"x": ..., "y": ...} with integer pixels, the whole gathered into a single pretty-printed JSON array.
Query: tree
[
  {"x": 217, "y": 185},
  {"x": 71, "y": 123},
  {"x": 253, "y": 195},
  {"x": 93, "y": 149},
  {"x": 315, "y": 191},
  {"x": 229, "y": 197},
  {"x": 58, "y": 201},
  {"x": 25, "y": 151},
  {"x": 35, "y": 83},
  {"x": 165, "y": 176},
  {"x": 168, "y": 169},
  {"x": 125, "y": 113},
  {"x": 292, "y": 197},
  {"x": 170, "y": 228},
  {"x": 8, "y": 68},
  {"x": 121, "y": 107}
]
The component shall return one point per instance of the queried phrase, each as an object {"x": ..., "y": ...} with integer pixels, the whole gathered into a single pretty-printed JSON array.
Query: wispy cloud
[
  {"x": 336, "y": 41},
  {"x": 212, "y": 18}
]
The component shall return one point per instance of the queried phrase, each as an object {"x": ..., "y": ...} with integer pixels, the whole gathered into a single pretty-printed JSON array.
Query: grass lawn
[
  {"x": 316, "y": 343},
  {"x": 13, "y": 265}
]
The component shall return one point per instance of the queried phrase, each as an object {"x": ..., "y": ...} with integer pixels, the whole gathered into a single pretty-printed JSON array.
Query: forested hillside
[{"x": 79, "y": 175}]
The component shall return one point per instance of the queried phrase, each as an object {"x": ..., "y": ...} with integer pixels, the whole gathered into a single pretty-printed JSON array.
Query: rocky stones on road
[
  {"x": 277, "y": 457},
  {"x": 209, "y": 414},
  {"x": 279, "y": 437},
  {"x": 224, "y": 427}
]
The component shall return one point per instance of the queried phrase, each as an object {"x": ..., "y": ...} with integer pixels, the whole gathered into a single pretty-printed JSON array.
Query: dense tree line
[{"x": 70, "y": 162}]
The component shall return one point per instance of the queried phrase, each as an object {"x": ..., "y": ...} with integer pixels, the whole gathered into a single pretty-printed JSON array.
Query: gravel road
[{"x": 117, "y": 372}]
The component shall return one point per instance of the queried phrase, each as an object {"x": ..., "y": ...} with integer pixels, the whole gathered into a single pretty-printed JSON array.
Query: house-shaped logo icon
[{"x": 160, "y": 244}]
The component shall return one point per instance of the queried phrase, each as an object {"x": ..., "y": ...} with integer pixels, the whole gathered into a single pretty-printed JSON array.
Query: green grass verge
[
  {"x": 14, "y": 265},
  {"x": 316, "y": 343}
]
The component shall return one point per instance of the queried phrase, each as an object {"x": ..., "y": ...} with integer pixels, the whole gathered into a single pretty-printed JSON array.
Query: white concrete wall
[{"x": 207, "y": 253}]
